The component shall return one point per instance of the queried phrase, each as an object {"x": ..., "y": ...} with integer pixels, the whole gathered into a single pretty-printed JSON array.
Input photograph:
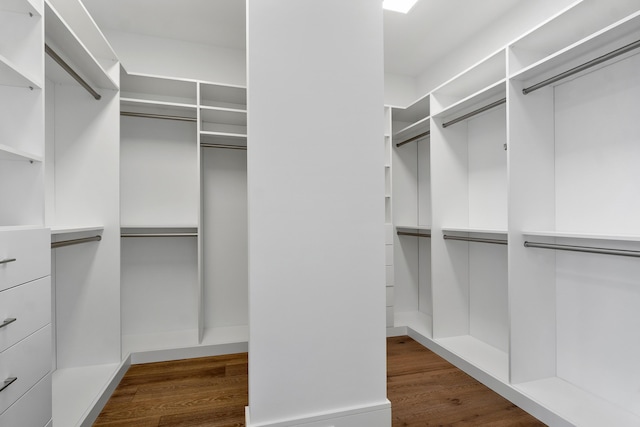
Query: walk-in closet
[{"x": 302, "y": 180}]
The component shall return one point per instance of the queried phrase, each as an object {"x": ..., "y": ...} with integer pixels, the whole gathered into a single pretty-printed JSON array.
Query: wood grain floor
[{"x": 424, "y": 390}]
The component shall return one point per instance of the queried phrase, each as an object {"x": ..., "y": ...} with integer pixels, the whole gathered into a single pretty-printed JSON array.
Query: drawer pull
[
  {"x": 7, "y": 383},
  {"x": 7, "y": 322},
  {"x": 7, "y": 261}
]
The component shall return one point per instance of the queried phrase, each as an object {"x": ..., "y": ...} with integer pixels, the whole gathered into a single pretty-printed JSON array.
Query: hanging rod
[
  {"x": 62, "y": 243},
  {"x": 586, "y": 65},
  {"x": 158, "y": 116},
  {"x": 159, "y": 235},
  {"x": 400, "y": 144},
  {"x": 226, "y": 146},
  {"x": 71, "y": 72},
  {"x": 588, "y": 249},
  {"x": 407, "y": 233},
  {"x": 475, "y": 112},
  {"x": 475, "y": 239}
]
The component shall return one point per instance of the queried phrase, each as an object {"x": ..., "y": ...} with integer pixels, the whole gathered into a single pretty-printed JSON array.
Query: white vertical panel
[
  {"x": 225, "y": 249},
  {"x": 316, "y": 242}
]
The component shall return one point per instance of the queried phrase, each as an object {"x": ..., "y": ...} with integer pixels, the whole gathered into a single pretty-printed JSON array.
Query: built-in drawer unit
[
  {"x": 31, "y": 410},
  {"x": 23, "y": 310},
  {"x": 24, "y": 256},
  {"x": 23, "y": 365}
]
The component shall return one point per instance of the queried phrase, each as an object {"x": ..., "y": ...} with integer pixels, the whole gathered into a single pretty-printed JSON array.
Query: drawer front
[
  {"x": 23, "y": 310},
  {"x": 25, "y": 255},
  {"x": 28, "y": 361},
  {"x": 31, "y": 410}
]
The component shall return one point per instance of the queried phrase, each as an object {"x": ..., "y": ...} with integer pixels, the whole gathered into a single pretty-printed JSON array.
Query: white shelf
[
  {"x": 11, "y": 75},
  {"x": 478, "y": 99},
  {"x": 223, "y": 135},
  {"x": 422, "y": 124},
  {"x": 229, "y": 116},
  {"x": 76, "y": 390},
  {"x": 225, "y": 335},
  {"x": 68, "y": 46},
  {"x": 9, "y": 153},
  {"x": 483, "y": 356},
  {"x": 156, "y": 103},
  {"x": 413, "y": 227},
  {"x": 583, "y": 236},
  {"x": 68, "y": 229},
  {"x": 222, "y": 96},
  {"x": 472, "y": 231},
  {"x": 597, "y": 44},
  {"x": 420, "y": 322},
  {"x": 159, "y": 89},
  {"x": 19, "y": 6},
  {"x": 576, "y": 405},
  {"x": 159, "y": 341}
]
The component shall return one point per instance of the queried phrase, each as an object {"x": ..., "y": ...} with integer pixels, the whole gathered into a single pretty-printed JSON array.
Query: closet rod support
[
  {"x": 71, "y": 71},
  {"x": 475, "y": 239},
  {"x": 225, "y": 146},
  {"x": 63, "y": 243},
  {"x": 8, "y": 321},
  {"x": 587, "y": 249},
  {"x": 586, "y": 65},
  {"x": 7, "y": 261},
  {"x": 415, "y": 138},
  {"x": 475, "y": 112},
  {"x": 407, "y": 233},
  {"x": 158, "y": 116},
  {"x": 7, "y": 383}
]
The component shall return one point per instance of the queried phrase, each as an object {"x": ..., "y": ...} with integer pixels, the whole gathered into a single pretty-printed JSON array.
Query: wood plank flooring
[{"x": 424, "y": 390}]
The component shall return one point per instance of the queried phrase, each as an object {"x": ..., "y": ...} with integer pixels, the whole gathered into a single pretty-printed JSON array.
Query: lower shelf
[
  {"x": 576, "y": 405},
  {"x": 416, "y": 320},
  {"x": 175, "y": 345},
  {"x": 76, "y": 391},
  {"x": 480, "y": 354}
]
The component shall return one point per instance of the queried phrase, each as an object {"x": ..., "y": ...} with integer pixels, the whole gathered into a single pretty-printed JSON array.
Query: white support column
[{"x": 317, "y": 348}]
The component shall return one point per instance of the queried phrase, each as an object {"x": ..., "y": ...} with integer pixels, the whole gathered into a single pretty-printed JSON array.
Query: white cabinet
[{"x": 25, "y": 324}]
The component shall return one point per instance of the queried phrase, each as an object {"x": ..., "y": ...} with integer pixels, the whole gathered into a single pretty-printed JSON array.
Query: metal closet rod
[
  {"x": 159, "y": 235},
  {"x": 158, "y": 116},
  {"x": 427, "y": 133},
  {"x": 407, "y": 233},
  {"x": 588, "y": 249},
  {"x": 71, "y": 71},
  {"x": 475, "y": 239},
  {"x": 225, "y": 146},
  {"x": 63, "y": 243},
  {"x": 586, "y": 65},
  {"x": 475, "y": 112}
]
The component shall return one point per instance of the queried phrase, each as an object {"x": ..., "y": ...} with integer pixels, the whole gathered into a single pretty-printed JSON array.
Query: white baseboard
[{"x": 376, "y": 415}]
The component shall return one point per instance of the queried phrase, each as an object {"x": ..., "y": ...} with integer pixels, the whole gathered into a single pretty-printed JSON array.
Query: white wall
[
  {"x": 179, "y": 59},
  {"x": 400, "y": 91},
  {"x": 316, "y": 214},
  {"x": 494, "y": 37}
]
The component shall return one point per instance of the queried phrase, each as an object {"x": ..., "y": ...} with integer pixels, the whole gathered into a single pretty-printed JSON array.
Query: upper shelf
[
  {"x": 9, "y": 153},
  {"x": 21, "y": 6},
  {"x": 600, "y": 22},
  {"x": 223, "y": 97},
  {"x": 61, "y": 38},
  {"x": 12, "y": 75},
  {"x": 594, "y": 46},
  {"x": 158, "y": 90}
]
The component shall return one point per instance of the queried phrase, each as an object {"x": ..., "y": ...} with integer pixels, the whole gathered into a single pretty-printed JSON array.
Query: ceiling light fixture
[{"x": 402, "y": 6}]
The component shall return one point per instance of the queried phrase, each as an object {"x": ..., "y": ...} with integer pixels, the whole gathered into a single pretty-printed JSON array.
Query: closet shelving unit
[
  {"x": 470, "y": 216},
  {"x": 22, "y": 115},
  {"x": 412, "y": 215},
  {"x": 534, "y": 240},
  {"x": 574, "y": 182},
  {"x": 388, "y": 244},
  {"x": 81, "y": 209},
  {"x": 159, "y": 213},
  {"x": 224, "y": 311}
]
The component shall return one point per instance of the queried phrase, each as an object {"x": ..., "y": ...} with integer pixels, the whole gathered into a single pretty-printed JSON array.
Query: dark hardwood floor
[{"x": 424, "y": 390}]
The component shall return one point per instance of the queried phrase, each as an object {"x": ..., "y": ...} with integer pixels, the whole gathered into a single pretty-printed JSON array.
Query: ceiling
[{"x": 412, "y": 42}]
